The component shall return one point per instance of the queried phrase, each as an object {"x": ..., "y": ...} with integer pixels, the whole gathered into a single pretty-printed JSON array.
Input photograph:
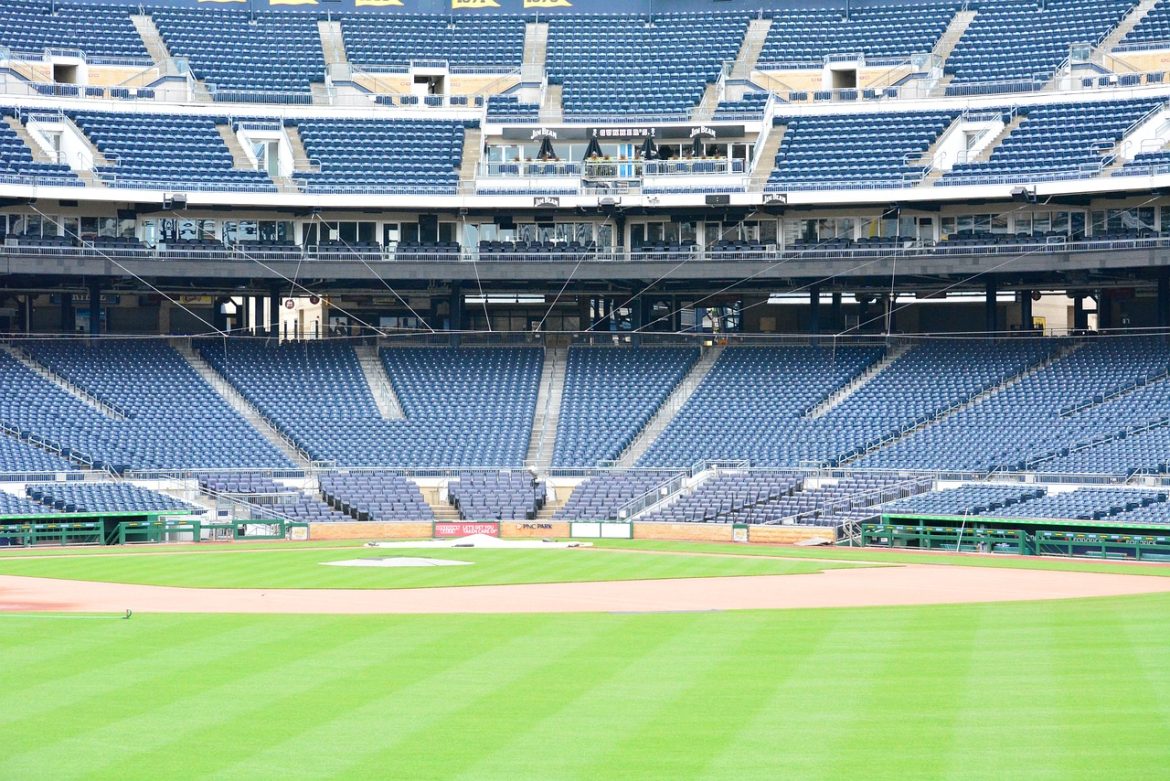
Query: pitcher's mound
[{"x": 397, "y": 561}]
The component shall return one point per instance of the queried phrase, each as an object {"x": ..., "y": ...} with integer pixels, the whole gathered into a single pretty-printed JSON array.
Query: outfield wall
[{"x": 692, "y": 532}]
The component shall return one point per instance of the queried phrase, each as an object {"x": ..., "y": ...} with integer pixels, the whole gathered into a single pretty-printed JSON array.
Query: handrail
[{"x": 690, "y": 253}]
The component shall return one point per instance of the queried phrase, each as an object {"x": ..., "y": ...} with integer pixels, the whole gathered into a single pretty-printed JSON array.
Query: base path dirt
[{"x": 915, "y": 584}]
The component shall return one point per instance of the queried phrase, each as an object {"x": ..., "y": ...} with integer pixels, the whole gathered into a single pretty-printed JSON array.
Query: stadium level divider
[{"x": 1021, "y": 536}]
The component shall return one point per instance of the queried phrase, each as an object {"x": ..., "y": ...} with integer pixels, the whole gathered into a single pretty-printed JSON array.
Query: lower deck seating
[
  {"x": 496, "y": 496},
  {"x": 965, "y": 500},
  {"x": 600, "y": 498},
  {"x": 11, "y": 505},
  {"x": 271, "y": 500},
  {"x": 375, "y": 496},
  {"x": 78, "y": 497},
  {"x": 1088, "y": 504}
]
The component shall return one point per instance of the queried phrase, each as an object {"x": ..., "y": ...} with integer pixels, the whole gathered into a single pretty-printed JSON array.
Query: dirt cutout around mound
[{"x": 913, "y": 584}]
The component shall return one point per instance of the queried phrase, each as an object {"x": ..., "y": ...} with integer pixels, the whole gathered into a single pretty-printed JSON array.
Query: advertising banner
[{"x": 448, "y": 529}]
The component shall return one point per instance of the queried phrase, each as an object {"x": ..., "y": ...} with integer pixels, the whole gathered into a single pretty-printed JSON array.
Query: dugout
[{"x": 1020, "y": 536}]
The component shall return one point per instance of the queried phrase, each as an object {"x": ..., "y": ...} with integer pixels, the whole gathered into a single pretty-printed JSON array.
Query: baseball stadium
[{"x": 582, "y": 389}]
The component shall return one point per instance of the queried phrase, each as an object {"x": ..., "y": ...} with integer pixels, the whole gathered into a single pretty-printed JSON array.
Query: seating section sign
[{"x": 446, "y": 529}]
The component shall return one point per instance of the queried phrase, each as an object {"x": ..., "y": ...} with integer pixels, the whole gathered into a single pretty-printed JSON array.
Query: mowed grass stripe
[
  {"x": 305, "y": 679},
  {"x": 1071, "y": 689},
  {"x": 410, "y": 710},
  {"x": 148, "y": 696},
  {"x": 545, "y": 687},
  {"x": 306, "y": 568}
]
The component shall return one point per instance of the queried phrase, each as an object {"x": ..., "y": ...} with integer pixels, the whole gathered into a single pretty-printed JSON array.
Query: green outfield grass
[
  {"x": 886, "y": 556},
  {"x": 1056, "y": 690},
  {"x": 278, "y": 566}
]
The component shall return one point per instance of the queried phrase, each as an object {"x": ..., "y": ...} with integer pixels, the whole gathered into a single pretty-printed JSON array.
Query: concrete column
[
  {"x": 274, "y": 311},
  {"x": 455, "y": 312},
  {"x": 1080, "y": 318},
  {"x": 814, "y": 310},
  {"x": 68, "y": 322},
  {"x": 1104, "y": 310},
  {"x": 835, "y": 312},
  {"x": 95, "y": 308},
  {"x": 1025, "y": 310},
  {"x": 26, "y": 314},
  {"x": 991, "y": 308},
  {"x": 1163, "y": 298}
]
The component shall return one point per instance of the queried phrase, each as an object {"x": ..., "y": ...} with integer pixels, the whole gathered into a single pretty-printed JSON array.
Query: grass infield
[{"x": 1069, "y": 690}]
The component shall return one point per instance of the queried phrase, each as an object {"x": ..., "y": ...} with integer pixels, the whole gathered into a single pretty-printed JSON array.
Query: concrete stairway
[
  {"x": 98, "y": 157},
  {"x": 950, "y": 37},
  {"x": 301, "y": 161},
  {"x": 472, "y": 152},
  {"x": 245, "y": 408},
  {"x": 674, "y": 402},
  {"x": 152, "y": 39},
  {"x": 707, "y": 105},
  {"x": 842, "y": 394},
  {"x": 374, "y": 371},
  {"x": 551, "y": 107},
  {"x": 978, "y": 398},
  {"x": 749, "y": 50},
  {"x": 63, "y": 383},
  {"x": 240, "y": 159},
  {"x": 444, "y": 511},
  {"x": 1126, "y": 25},
  {"x": 332, "y": 43},
  {"x": 39, "y": 153},
  {"x": 766, "y": 161},
  {"x": 536, "y": 44},
  {"x": 988, "y": 150},
  {"x": 548, "y": 408}
]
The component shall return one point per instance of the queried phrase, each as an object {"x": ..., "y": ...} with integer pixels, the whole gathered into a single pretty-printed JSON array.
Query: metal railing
[{"x": 691, "y": 253}]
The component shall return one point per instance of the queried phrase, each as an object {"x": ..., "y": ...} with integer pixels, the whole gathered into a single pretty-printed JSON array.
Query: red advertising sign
[{"x": 466, "y": 528}]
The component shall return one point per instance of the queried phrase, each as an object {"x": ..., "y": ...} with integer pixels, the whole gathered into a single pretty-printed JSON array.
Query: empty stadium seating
[
  {"x": 1020, "y": 43},
  {"x": 634, "y": 64},
  {"x": 269, "y": 499},
  {"x": 600, "y": 498},
  {"x": 11, "y": 505},
  {"x": 1090, "y": 504},
  {"x": 241, "y": 50},
  {"x": 173, "y": 419},
  {"x": 464, "y": 407},
  {"x": 156, "y": 149},
  {"x": 610, "y": 393},
  {"x": 16, "y": 160},
  {"x": 1056, "y": 141},
  {"x": 78, "y": 497},
  {"x": 95, "y": 29},
  {"x": 17, "y": 455},
  {"x": 1153, "y": 28},
  {"x": 401, "y": 155},
  {"x": 804, "y": 34},
  {"x": 375, "y": 496},
  {"x": 467, "y": 41},
  {"x": 1086, "y": 399},
  {"x": 498, "y": 496},
  {"x": 964, "y": 500},
  {"x": 864, "y": 150}
]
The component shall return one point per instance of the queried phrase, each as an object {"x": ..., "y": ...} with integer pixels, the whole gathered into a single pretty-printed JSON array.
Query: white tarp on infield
[
  {"x": 397, "y": 561},
  {"x": 480, "y": 541}
]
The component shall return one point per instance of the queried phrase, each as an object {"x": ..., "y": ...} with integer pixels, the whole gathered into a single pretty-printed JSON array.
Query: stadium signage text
[
  {"x": 466, "y": 529},
  {"x": 623, "y": 132}
]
